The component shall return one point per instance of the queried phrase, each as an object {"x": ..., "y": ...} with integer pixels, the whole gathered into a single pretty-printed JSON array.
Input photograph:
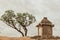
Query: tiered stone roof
[{"x": 44, "y": 22}]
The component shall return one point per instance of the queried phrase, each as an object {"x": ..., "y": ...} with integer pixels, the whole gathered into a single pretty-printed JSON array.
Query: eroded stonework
[{"x": 45, "y": 28}]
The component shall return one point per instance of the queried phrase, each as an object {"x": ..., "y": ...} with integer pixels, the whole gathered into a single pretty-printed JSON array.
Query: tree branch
[
  {"x": 17, "y": 29},
  {"x": 14, "y": 28}
]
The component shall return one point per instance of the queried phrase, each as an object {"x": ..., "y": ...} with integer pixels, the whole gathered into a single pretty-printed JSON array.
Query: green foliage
[
  {"x": 23, "y": 19},
  {"x": 10, "y": 13},
  {"x": 8, "y": 17}
]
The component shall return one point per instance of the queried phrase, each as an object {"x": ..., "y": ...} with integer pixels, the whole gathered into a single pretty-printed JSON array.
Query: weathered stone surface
[{"x": 45, "y": 28}]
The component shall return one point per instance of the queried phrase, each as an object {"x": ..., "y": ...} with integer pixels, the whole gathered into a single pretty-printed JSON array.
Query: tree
[
  {"x": 21, "y": 19},
  {"x": 25, "y": 20}
]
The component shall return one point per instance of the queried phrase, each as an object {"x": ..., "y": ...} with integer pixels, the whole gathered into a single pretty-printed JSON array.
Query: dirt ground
[{"x": 15, "y": 38}]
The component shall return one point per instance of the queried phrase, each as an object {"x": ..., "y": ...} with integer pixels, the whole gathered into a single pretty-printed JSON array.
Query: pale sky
[{"x": 38, "y": 8}]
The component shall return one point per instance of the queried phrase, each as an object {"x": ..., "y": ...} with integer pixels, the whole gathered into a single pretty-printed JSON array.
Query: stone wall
[
  {"x": 51, "y": 39},
  {"x": 47, "y": 39}
]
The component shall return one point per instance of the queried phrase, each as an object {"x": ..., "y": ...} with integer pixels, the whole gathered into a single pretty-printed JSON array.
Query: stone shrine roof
[{"x": 45, "y": 21}]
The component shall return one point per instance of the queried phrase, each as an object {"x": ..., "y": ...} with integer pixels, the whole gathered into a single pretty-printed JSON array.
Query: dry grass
[{"x": 15, "y": 38}]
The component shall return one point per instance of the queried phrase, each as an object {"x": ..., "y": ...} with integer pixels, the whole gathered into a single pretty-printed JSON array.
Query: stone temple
[{"x": 45, "y": 28}]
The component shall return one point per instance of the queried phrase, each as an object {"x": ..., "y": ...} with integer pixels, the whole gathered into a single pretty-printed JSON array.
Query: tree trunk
[
  {"x": 17, "y": 29},
  {"x": 21, "y": 32},
  {"x": 25, "y": 29}
]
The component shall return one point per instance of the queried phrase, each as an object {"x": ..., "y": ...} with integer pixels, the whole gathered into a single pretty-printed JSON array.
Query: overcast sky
[{"x": 38, "y": 8}]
